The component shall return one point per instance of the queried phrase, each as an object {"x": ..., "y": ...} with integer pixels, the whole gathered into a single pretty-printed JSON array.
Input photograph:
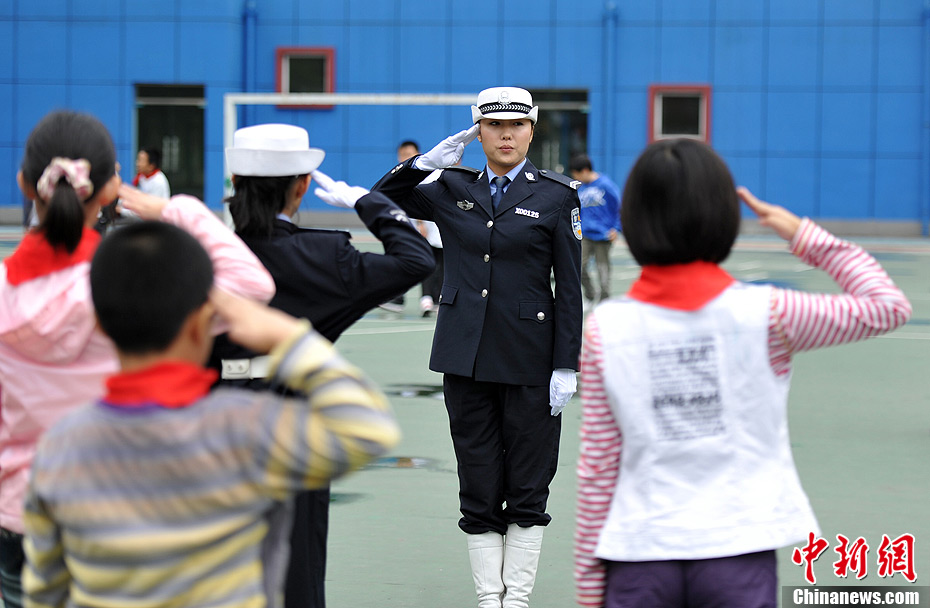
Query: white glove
[
  {"x": 337, "y": 194},
  {"x": 562, "y": 386},
  {"x": 446, "y": 153}
]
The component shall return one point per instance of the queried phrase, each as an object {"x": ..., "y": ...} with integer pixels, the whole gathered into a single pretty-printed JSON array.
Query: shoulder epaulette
[
  {"x": 463, "y": 169},
  {"x": 331, "y": 231},
  {"x": 562, "y": 179}
]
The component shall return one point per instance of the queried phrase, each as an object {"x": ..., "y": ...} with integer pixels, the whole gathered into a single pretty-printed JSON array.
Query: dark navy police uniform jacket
[
  {"x": 499, "y": 320},
  {"x": 319, "y": 275}
]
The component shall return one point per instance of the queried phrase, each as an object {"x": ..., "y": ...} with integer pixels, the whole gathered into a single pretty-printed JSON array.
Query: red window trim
[
  {"x": 328, "y": 52},
  {"x": 701, "y": 89}
]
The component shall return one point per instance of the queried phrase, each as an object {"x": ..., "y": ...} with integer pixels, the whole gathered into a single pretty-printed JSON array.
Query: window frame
[
  {"x": 657, "y": 91},
  {"x": 284, "y": 53}
]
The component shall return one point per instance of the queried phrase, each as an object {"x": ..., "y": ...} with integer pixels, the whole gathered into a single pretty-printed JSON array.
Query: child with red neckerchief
[
  {"x": 686, "y": 482},
  {"x": 164, "y": 493},
  {"x": 52, "y": 356}
]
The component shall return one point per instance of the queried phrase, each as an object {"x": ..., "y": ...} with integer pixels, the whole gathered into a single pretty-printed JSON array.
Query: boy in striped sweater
[{"x": 163, "y": 493}]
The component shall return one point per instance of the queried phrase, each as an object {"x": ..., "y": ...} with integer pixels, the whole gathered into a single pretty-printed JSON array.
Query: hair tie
[{"x": 76, "y": 172}]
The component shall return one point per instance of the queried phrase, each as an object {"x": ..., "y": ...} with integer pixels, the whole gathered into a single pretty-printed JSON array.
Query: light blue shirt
[{"x": 512, "y": 174}]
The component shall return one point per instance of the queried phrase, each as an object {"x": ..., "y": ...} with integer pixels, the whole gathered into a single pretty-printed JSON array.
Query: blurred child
[
  {"x": 687, "y": 485},
  {"x": 163, "y": 493},
  {"x": 52, "y": 358}
]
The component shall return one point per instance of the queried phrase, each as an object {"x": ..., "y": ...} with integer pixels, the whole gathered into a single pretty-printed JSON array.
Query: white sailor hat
[
  {"x": 504, "y": 103},
  {"x": 272, "y": 150}
]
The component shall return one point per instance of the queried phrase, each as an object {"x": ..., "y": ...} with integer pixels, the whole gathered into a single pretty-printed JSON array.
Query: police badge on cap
[{"x": 504, "y": 103}]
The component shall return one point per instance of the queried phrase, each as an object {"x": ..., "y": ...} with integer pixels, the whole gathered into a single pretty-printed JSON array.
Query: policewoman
[
  {"x": 506, "y": 342},
  {"x": 319, "y": 275}
]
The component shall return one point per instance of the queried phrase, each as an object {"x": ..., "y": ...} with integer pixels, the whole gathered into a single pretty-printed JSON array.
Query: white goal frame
[{"x": 232, "y": 101}]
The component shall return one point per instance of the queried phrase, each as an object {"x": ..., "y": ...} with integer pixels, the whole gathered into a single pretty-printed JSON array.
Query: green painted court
[{"x": 860, "y": 423}]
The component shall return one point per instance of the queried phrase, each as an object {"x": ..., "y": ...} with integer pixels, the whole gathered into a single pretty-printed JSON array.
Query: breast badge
[{"x": 465, "y": 205}]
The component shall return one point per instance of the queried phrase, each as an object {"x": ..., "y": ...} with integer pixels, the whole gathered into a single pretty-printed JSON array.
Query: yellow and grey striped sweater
[{"x": 145, "y": 507}]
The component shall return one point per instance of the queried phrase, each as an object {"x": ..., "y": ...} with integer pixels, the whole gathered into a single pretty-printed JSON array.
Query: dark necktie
[{"x": 500, "y": 182}]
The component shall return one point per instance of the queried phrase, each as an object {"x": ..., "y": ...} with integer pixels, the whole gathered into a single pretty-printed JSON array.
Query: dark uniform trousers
[
  {"x": 489, "y": 420},
  {"x": 320, "y": 276},
  {"x": 501, "y": 329}
]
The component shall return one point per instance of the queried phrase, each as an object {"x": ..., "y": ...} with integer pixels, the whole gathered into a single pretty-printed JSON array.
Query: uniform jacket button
[
  {"x": 487, "y": 258},
  {"x": 490, "y": 223},
  {"x": 484, "y": 293},
  {"x": 541, "y": 316}
]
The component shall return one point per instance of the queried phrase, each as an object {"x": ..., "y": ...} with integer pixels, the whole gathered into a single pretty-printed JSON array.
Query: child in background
[
  {"x": 165, "y": 494},
  {"x": 52, "y": 358},
  {"x": 687, "y": 485}
]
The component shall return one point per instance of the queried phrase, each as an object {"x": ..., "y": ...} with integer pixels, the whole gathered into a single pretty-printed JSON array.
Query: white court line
[
  {"x": 388, "y": 330},
  {"x": 900, "y": 336},
  {"x": 754, "y": 276}
]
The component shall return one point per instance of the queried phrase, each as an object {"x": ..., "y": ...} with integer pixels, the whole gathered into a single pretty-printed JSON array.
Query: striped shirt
[
  {"x": 157, "y": 506},
  {"x": 798, "y": 321}
]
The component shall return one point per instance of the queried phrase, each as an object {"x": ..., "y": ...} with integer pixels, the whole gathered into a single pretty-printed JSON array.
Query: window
[
  {"x": 679, "y": 111},
  {"x": 302, "y": 69}
]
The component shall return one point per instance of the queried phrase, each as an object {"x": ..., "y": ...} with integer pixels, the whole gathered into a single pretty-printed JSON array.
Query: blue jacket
[{"x": 600, "y": 208}]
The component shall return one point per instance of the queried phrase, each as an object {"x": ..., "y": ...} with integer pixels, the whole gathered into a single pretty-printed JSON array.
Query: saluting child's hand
[
  {"x": 144, "y": 205},
  {"x": 783, "y": 222},
  {"x": 255, "y": 326}
]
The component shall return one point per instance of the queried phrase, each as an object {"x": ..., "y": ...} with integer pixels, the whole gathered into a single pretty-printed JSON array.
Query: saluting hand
[
  {"x": 252, "y": 325},
  {"x": 144, "y": 205},
  {"x": 337, "y": 194},
  {"x": 448, "y": 152},
  {"x": 779, "y": 219}
]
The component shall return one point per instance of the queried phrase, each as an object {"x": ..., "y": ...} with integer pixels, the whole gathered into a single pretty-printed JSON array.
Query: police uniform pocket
[
  {"x": 541, "y": 312},
  {"x": 447, "y": 294}
]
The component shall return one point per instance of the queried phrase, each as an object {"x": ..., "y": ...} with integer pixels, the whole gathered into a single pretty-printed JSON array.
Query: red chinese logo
[
  {"x": 897, "y": 556},
  {"x": 809, "y": 554},
  {"x": 852, "y": 557},
  {"x": 893, "y": 556}
]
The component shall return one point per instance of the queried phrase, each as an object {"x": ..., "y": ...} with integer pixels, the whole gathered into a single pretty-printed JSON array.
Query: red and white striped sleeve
[
  {"x": 598, "y": 468},
  {"x": 870, "y": 305}
]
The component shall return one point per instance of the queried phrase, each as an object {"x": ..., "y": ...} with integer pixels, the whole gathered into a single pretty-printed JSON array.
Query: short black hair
[
  {"x": 679, "y": 205},
  {"x": 154, "y": 155},
  {"x": 146, "y": 279},
  {"x": 580, "y": 162},
  {"x": 408, "y": 142}
]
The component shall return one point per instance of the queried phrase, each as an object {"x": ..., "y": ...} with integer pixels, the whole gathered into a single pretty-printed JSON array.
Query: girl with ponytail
[{"x": 52, "y": 357}]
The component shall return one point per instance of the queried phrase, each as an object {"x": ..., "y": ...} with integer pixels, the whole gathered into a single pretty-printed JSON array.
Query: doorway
[
  {"x": 562, "y": 128},
  {"x": 170, "y": 117}
]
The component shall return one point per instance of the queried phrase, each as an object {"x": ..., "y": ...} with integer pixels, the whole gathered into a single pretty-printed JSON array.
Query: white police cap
[{"x": 504, "y": 103}]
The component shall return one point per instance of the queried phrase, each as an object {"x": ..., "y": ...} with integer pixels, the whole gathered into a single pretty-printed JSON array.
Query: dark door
[
  {"x": 562, "y": 128},
  {"x": 170, "y": 117}
]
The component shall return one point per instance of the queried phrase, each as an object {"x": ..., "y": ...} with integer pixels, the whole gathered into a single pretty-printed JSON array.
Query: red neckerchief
[
  {"x": 680, "y": 286},
  {"x": 171, "y": 384},
  {"x": 35, "y": 257},
  {"x": 135, "y": 180}
]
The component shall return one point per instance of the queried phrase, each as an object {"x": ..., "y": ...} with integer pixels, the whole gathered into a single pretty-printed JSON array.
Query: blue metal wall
[{"x": 821, "y": 105}]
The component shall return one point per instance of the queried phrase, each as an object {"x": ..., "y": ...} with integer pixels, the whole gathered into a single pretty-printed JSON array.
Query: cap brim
[
  {"x": 272, "y": 163},
  {"x": 476, "y": 115}
]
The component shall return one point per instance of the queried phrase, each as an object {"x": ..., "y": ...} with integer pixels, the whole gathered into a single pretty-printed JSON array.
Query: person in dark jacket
[
  {"x": 319, "y": 275},
  {"x": 506, "y": 343}
]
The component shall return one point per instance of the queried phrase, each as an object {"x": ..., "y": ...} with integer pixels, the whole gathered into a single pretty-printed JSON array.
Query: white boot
[
  {"x": 521, "y": 558},
  {"x": 486, "y": 553}
]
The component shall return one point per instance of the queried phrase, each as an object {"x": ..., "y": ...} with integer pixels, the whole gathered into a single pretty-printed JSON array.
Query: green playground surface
[{"x": 860, "y": 429}]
